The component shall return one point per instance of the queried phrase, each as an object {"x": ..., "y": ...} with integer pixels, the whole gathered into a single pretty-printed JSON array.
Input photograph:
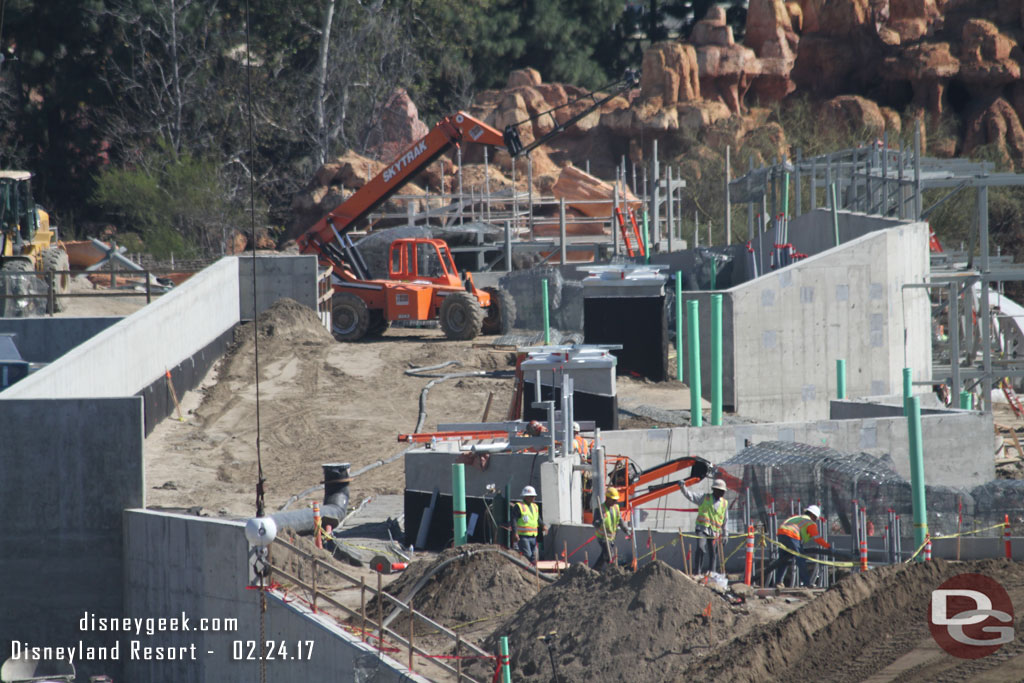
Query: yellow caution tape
[
  {"x": 974, "y": 531},
  {"x": 830, "y": 563}
]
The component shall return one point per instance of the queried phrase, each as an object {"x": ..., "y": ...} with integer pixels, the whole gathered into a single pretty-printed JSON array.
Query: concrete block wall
[
  {"x": 44, "y": 340},
  {"x": 68, "y": 467},
  {"x": 848, "y": 303},
  {"x": 177, "y": 564},
  {"x": 129, "y": 355},
  {"x": 277, "y": 277}
]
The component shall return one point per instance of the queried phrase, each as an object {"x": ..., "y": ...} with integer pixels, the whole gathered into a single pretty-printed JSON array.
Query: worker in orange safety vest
[
  {"x": 579, "y": 444},
  {"x": 794, "y": 534}
]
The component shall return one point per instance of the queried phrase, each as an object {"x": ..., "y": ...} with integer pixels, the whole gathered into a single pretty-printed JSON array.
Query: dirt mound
[
  {"x": 472, "y": 583},
  {"x": 280, "y": 329},
  {"x": 615, "y": 625},
  {"x": 854, "y": 630}
]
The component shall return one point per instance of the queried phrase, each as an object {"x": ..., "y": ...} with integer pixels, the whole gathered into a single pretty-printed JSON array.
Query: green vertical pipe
[
  {"x": 716, "y": 359},
  {"x": 841, "y": 378},
  {"x": 547, "y": 314},
  {"x": 785, "y": 196},
  {"x": 647, "y": 240},
  {"x": 506, "y": 668},
  {"x": 835, "y": 213},
  {"x": 917, "y": 471},
  {"x": 965, "y": 400},
  {"x": 908, "y": 389},
  {"x": 693, "y": 341},
  {"x": 679, "y": 325},
  {"x": 459, "y": 502},
  {"x": 714, "y": 271}
]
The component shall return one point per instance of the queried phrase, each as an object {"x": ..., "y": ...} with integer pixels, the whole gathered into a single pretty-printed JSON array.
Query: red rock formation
[
  {"x": 997, "y": 125},
  {"x": 669, "y": 75},
  {"x": 854, "y": 113}
]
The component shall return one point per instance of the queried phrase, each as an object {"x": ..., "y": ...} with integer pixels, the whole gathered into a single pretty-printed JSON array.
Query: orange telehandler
[{"x": 422, "y": 281}]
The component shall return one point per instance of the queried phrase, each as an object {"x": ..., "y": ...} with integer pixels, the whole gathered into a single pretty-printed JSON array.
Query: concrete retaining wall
[
  {"x": 178, "y": 564},
  {"x": 277, "y": 277},
  {"x": 128, "y": 356},
  {"x": 68, "y": 469},
  {"x": 845, "y": 303},
  {"x": 44, "y": 340}
]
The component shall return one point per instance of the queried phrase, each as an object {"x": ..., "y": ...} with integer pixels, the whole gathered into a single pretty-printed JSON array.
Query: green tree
[{"x": 177, "y": 203}]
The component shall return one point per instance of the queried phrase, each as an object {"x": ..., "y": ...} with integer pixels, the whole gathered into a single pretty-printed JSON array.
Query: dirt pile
[
  {"x": 471, "y": 583},
  {"x": 857, "y": 629},
  {"x": 616, "y": 625}
]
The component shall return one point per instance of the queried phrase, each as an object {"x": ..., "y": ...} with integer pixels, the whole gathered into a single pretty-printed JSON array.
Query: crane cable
[
  {"x": 260, "y": 479},
  {"x": 627, "y": 78}
]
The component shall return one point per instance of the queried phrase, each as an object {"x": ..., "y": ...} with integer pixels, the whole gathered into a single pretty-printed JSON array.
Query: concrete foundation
[
  {"x": 69, "y": 468},
  {"x": 176, "y": 564},
  {"x": 128, "y": 356},
  {"x": 44, "y": 340}
]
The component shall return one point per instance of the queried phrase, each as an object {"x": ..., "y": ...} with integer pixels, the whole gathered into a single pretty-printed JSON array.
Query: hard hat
[
  {"x": 720, "y": 485},
  {"x": 612, "y": 493},
  {"x": 814, "y": 510},
  {"x": 575, "y": 426},
  {"x": 529, "y": 491}
]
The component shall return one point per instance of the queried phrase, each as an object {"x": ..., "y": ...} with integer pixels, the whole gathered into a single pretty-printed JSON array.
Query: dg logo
[{"x": 971, "y": 616}]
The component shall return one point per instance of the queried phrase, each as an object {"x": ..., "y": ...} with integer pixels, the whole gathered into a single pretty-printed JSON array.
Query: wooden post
[
  {"x": 362, "y": 607},
  {"x": 312, "y": 581},
  {"x": 380, "y": 615},
  {"x": 412, "y": 630}
]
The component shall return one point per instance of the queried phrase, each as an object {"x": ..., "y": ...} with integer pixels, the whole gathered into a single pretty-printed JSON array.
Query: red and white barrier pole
[
  {"x": 928, "y": 549},
  {"x": 748, "y": 573},
  {"x": 1006, "y": 537},
  {"x": 316, "y": 525}
]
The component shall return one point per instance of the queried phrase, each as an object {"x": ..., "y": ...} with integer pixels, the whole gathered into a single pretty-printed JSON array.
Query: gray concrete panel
[
  {"x": 827, "y": 307},
  {"x": 177, "y": 564},
  {"x": 68, "y": 469},
  {"x": 44, "y": 340},
  {"x": 126, "y": 357},
  {"x": 277, "y": 277}
]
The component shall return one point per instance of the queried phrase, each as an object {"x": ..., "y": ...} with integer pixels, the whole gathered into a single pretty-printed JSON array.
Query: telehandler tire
[
  {"x": 350, "y": 318},
  {"x": 461, "y": 316},
  {"x": 501, "y": 314}
]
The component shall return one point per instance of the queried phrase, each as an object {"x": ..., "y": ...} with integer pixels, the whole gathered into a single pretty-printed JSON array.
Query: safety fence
[
  {"x": 25, "y": 293},
  {"x": 373, "y": 628}
]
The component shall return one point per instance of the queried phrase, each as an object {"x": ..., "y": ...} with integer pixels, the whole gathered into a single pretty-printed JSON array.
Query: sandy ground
[{"x": 101, "y": 302}]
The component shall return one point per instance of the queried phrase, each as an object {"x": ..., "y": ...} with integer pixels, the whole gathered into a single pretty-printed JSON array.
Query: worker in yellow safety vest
[
  {"x": 794, "y": 534},
  {"x": 608, "y": 523},
  {"x": 527, "y": 524},
  {"x": 712, "y": 514},
  {"x": 579, "y": 444}
]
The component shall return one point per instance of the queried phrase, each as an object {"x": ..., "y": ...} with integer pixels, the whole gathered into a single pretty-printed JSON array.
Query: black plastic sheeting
[{"x": 640, "y": 325}]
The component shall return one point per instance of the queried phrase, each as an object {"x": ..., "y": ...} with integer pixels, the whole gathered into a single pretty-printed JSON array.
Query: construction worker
[
  {"x": 608, "y": 522},
  {"x": 526, "y": 520},
  {"x": 794, "y": 534},
  {"x": 712, "y": 513},
  {"x": 579, "y": 444}
]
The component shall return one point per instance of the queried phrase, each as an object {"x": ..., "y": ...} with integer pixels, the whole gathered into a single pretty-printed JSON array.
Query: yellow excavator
[{"x": 27, "y": 245}]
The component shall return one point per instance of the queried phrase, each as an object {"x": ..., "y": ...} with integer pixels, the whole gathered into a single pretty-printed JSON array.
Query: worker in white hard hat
[
  {"x": 794, "y": 534},
  {"x": 712, "y": 515},
  {"x": 608, "y": 522},
  {"x": 579, "y": 444},
  {"x": 526, "y": 524}
]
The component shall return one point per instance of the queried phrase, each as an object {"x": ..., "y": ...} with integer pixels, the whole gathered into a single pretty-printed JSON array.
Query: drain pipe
[{"x": 336, "y": 481}]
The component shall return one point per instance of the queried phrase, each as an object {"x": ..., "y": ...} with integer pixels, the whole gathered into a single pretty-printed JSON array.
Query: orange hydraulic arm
[
  {"x": 699, "y": 469},
  {"x": 449, "y": 131}
]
